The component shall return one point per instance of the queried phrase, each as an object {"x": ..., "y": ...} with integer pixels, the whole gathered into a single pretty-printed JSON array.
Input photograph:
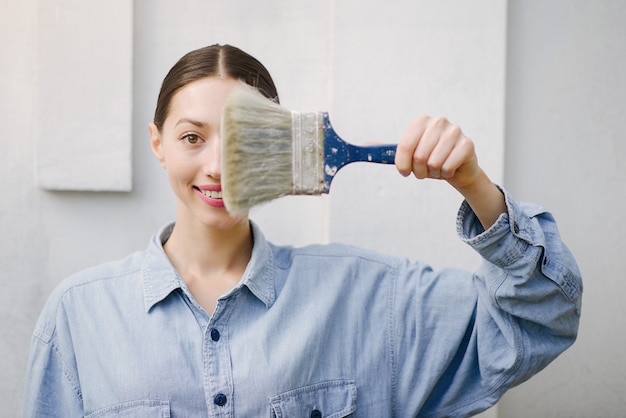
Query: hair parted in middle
[{"x": 224, "y": 61}]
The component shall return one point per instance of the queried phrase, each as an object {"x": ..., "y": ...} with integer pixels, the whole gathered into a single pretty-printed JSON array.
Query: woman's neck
[
  {"x": 210, "y": 248},
  {"x": 211, "y": 261}
]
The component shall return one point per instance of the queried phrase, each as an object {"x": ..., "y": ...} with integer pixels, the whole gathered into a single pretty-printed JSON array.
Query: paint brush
[{"x": 269, "y": 151}]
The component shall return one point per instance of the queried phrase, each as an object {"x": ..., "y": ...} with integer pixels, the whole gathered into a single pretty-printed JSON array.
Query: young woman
[{"x": 213, "y": 320}]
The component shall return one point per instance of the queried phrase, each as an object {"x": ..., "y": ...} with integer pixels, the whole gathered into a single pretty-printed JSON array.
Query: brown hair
[{"x": 213, "y": 60}]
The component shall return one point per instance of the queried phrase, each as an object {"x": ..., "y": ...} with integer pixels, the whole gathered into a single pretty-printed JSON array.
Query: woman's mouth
[{"x": 211, "y": 195}]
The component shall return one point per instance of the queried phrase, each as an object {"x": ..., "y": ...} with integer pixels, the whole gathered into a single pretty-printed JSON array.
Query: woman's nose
[{"x": 212, "y": 157}]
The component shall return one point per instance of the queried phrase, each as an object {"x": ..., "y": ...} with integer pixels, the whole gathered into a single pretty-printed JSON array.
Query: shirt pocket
[
  {"x": 134, "y": 409},
  {"x": 329, "y": 399}
]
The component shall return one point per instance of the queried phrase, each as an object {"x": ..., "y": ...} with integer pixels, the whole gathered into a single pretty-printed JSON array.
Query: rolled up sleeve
[
  {"x": 530, "y": 288},
  {"x": 468, "y": 337}
]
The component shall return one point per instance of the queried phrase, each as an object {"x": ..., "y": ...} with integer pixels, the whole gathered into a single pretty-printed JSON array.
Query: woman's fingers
[
  {"x": 408, "y": 143},
  {"x": 434, "y": 148},
  {"x": 444, "y": 140}
]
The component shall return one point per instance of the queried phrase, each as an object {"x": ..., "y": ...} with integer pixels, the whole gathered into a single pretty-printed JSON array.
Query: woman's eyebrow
[{"x": 191, "y": 121}]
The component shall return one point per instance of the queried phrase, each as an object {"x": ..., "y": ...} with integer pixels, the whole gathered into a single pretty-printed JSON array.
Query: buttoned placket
[
  {"x": 217, "y": 375},
  {"x": 218, "y": 381}
]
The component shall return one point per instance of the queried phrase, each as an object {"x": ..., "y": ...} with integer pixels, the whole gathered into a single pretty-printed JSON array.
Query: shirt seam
[
  {"x": 389, "y": 262},
  {"x": 100, "y": 278},
  {"x": 67, "y": 378},
  {"x": 94, "y": 280},
  {"x": 392, "y": 342},
  {"x": 46, "y": 336}
]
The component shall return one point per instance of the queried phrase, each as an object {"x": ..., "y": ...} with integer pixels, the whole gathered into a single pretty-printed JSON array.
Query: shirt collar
[{"x": 160, "y": 278}]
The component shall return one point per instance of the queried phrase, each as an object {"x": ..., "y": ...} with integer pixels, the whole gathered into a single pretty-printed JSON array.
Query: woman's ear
[{"x": 155, "y": 143}]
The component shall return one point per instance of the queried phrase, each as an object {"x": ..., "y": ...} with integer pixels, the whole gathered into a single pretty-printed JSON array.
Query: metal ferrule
[{"x": 308, "y": 152}]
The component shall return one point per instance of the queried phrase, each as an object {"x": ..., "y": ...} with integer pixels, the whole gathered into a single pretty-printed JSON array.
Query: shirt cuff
[{"x": 506, "y": 240}]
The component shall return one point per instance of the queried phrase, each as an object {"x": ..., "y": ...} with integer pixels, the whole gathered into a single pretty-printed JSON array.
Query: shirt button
[
  {"x": 316, "y": 414},
  {"x": 220, "y": 399},
  {"x": 215, "y": 335}
]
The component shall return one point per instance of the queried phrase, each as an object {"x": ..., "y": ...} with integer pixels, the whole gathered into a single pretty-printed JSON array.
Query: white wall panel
[{"x": 84, "y": 107}]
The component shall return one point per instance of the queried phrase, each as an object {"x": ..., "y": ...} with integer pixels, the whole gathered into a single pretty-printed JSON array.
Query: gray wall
[
  {"x": 374, "y": 66},
  {"x": 566, "y": 102}
]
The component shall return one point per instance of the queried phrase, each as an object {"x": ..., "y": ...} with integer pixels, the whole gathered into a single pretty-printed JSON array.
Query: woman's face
[{"x": 188, "y": 147}]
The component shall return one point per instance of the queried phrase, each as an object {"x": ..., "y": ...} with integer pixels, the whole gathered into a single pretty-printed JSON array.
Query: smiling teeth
[{"x": 212, "y": 194}]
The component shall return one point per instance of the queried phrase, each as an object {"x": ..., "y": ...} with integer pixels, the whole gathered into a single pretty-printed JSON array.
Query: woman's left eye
[{"x": 191, "y": 139}]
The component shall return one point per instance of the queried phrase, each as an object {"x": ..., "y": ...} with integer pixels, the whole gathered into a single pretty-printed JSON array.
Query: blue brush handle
[
  {"x": 382, "y": 154},
  {"x": 338, "y": 153}
]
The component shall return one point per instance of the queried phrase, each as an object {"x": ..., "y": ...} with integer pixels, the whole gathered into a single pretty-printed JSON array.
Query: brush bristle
[{"x": 256, "y": 150}]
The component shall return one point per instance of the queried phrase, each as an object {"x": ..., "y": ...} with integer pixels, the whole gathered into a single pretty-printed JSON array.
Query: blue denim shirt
[{"x": 320, "y": 331}]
